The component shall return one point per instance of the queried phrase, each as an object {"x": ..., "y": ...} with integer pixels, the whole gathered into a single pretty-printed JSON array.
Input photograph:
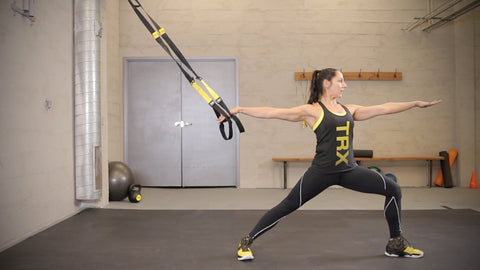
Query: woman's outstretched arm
[
  {"x": 366, "y": 112},
  {"x": 294, "y": 114}
]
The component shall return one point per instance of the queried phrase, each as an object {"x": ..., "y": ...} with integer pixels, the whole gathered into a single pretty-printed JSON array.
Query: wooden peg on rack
[
  {"x": 303, "y": 76},
  {"x": 357, "y": 76},
  {"x": 373, "y": 76}
]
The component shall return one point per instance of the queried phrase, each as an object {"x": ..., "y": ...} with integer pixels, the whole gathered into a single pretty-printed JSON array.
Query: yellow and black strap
[{"x": 214, "y": 100}]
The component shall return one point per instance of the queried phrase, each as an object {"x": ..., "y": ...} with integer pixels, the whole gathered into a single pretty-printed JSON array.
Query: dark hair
[{"x": 316, "y": 87}]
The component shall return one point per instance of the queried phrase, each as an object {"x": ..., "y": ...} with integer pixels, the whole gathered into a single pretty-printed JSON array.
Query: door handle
[{"x": 182, "y": 124}]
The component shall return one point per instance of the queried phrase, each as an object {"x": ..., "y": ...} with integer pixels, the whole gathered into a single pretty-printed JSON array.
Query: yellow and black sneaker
[
  {"x": 244, "y": 252},
  {"x": 399, "y": 247}
]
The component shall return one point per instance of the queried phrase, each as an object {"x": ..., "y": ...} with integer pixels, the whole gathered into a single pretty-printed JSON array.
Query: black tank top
[{"x": 334, "y": 152}]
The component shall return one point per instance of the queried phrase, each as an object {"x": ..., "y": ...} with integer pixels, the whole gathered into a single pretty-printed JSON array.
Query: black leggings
[{"x": 315, "y": 181}]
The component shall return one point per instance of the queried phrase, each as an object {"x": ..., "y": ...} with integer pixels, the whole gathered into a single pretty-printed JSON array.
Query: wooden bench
[{"x": 359, "y": 159}]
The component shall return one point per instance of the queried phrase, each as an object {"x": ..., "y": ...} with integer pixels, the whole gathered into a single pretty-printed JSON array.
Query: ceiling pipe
[
  {"x": 452, "y": 16},
  {"x": 432, "y": 15}
]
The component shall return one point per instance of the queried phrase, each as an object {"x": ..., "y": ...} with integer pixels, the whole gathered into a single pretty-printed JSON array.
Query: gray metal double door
[{"x": 172, "y": 137}]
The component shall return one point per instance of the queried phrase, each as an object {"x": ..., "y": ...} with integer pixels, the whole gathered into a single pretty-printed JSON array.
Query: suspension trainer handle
[{"x": 217, "y": 103}]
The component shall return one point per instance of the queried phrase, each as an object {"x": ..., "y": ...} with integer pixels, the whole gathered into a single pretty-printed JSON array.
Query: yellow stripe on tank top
[{"x": 320, "y": 119}]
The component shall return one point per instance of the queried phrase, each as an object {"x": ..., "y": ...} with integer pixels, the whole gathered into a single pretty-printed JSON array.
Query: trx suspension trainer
[{"x": 215, "y": 101}]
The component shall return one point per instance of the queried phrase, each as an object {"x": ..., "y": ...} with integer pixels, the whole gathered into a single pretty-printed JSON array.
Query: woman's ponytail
[{"x": 316, "y": 86}]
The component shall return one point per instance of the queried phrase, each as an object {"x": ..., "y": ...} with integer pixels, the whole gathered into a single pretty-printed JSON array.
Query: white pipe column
[{"x": 87, "y": 100}]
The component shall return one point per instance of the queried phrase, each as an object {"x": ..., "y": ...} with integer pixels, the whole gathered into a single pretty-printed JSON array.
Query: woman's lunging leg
[
  {"x": 393, "y": 207},
  {"x": 309, "y": 186},
  {"x": 369, "y": 181}
]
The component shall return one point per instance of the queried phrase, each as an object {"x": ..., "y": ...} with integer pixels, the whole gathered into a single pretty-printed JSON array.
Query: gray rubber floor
[{"x": 207, "y": 239}]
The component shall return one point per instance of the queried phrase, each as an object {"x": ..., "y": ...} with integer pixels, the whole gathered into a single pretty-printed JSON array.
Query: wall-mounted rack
[{"x": 357, "y": 76}]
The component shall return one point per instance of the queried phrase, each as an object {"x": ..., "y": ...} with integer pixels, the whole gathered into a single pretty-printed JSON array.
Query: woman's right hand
[{"x": 232, "y": 111}]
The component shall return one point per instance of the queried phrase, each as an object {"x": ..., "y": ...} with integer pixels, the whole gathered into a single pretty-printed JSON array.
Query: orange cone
[
  {"x": 439, "y": 179},
  {"x": 452, "y": 155},
  {"x": 473, "y": 181}
]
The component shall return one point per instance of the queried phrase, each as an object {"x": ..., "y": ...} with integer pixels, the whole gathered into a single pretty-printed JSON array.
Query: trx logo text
[{"x": 343, "y": 143}]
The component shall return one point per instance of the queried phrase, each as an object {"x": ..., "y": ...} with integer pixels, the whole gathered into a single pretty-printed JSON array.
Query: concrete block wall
[
  {"x": 36, "y": 141},
  {"x": 273, "y": 39}
]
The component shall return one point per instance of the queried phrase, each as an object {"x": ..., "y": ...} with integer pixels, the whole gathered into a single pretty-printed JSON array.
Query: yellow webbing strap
[
  {"x": 161, "y": 31},
  {"x": 210, "y": 90},
  {"x": 202, "y": 93}
]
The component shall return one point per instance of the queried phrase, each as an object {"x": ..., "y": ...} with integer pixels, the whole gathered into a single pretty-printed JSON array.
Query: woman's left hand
[{"x": 425, "y": 104}]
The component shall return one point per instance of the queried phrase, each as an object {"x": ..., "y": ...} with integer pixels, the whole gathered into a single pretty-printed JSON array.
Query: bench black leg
[{"x": 430, "y": 173}]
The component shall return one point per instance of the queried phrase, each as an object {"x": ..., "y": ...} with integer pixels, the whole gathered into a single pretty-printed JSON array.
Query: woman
[{"x": 333, "y": 163}]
